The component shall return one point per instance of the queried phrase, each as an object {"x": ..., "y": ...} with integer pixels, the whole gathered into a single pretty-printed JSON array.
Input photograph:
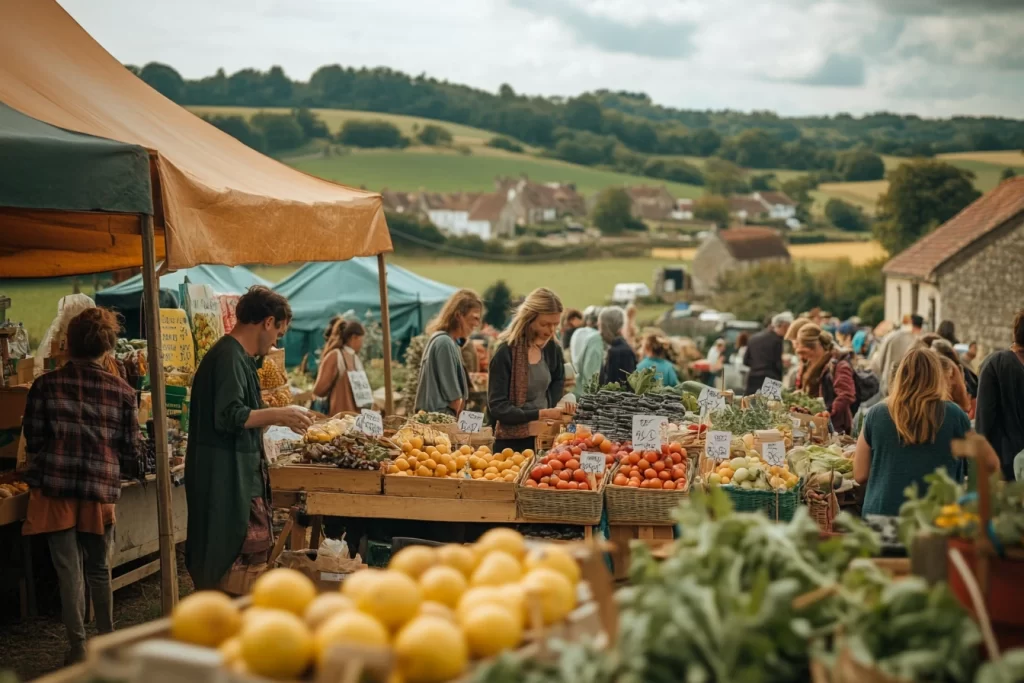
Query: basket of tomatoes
[
  {"x": 648, "y": 485},
  {"x": 555, "y": 485}
]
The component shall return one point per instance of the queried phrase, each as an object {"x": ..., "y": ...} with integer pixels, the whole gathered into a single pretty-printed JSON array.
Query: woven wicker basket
[
  {"x": 577, "y": 507},
  {"x": 629, "y": 505},
  {"x": 823, "y": 509},
  {"x": 779, "y": 506}
]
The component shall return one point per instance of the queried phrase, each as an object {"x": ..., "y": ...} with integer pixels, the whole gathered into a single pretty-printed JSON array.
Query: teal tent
[
  {"x": 126, "y": 297},
  {"x": 318, "y": 291}
]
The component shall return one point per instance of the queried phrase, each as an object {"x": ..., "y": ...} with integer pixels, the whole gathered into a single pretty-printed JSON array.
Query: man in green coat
[{"x": 229, "y": 532}]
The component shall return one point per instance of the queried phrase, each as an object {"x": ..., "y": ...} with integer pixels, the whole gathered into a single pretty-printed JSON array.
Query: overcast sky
[{"x": 929, "y": 57}]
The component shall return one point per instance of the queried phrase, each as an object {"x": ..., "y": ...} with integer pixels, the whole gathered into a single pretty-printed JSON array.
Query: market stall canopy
[
  {"x": 126, "y": 297},
  {"x": 318, "y": 291},
  {"x": 219, "y": 201},
  {"x": 68, "y": 198}
]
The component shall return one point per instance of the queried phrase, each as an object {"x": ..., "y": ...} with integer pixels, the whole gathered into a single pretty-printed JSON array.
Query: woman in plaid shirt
[{"x": 82, "y": 431}]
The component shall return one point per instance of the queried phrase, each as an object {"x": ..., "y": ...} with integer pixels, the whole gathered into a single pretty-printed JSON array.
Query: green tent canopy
[
  {"x": 50, "y": 168},
  {"x": 318, "y": 291},
  {"x": 126, "y": 297}
]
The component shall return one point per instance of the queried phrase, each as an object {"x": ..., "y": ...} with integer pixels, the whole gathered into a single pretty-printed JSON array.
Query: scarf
[
  {"x": 810, "y": 381},
  {"x": 518, "y": 385}
]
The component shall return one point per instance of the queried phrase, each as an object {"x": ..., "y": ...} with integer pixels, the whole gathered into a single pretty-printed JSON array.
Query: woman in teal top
[
  {"x": 658, "y": 355},
  {"x": 910, "y": 435}
]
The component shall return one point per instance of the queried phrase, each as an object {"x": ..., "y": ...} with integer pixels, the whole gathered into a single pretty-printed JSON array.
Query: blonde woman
[
  {"x": 527, "y": 373},
  {"x": 909, "y": 435},
  {"x": 443, "y": 382}
]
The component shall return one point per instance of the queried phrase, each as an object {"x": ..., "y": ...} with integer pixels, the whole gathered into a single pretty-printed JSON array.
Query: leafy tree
[
  {"x": 675, "y": 170},
  {"x": 498, "y": 304},
  {"x": 612, "y": 213},
  {"x": 753, "y": 148},
  {"x": 704, "y": 142},
  {"x": 371, "y": 133},
  {"x": 872, "y": 310},
  {"x": 846, "y": 216},
  {"x": 586, "y": 149},
  {"x": 724, "y": 177},
  {"x": 799, "y": 190},
  {"x": 506, "y": 92},
  {"x": 1007, "y": 174},
  {"x": 860, "y": 164},
  {"x": 134, "y": 69},
  {"x": 164, "y": 79},
  {"x": 583, "y": 113},
  {"x": 628, "y": 161},
  {"x": 434, "y": 136},
  {"x": 311, "y": 124},
  {"x": 411, "y": 234},
  {"x": 238, "y": 128},
  {"x": 712, "y": 208},
  {"x": 281, "y": 131},
  {"x": 504, "y": 143},
  {"x": 762, "y": 182},
  {"x": 921, "y": 196}
]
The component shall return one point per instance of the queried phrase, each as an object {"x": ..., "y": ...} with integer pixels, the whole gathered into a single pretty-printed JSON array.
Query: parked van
[{"x": 628, "y": 292}]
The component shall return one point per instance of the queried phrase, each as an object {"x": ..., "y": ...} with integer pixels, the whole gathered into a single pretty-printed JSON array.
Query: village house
[
  {"x": 967, "y": 270},
  {"x": 450, "y": 212},
  {"x": 529, "y": 203},
  {"x": 743, "y": 208},
  {"x": 734, "y": 248},
  {"x": 485, "y": 214},
  {"x": 408, "y": 203},
  {"x": 651, "y": 203},
  {"x": 779, "y": 205},
  {"x": 683, "y": 210}
]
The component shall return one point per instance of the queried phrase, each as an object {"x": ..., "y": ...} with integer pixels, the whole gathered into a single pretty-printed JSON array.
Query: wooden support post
[
  {"x": 165, "y": 524},
  {"x": 385, "y": 325}
]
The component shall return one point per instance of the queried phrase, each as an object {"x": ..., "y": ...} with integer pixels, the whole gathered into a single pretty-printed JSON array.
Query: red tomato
[
  {"x": 658, "y": 466},
  {"x": 537, "y": 473},
  {"x": 609, "y": 460},
  {"x": 566, "y": 457},
  {"x": 576, "y": 450},
  {"x": 664, "y": 449},
  {"x": 573, "y": 464},
  {"x": 605, "y": 446},
  {"x": 588, "y": 444},
  {"x": 650, "y": 474},
  {"x": 668, "y": 485},
  {"x": 565, "y": 475},
  {"x": 556, "y": 465},
  {"x": 635, "y": 483},
  {"x": 583, "y": 486},
  {"x": 664, "y": 475},
  {"x": 655, "y": 484},
  {"x": 643, "y": 464},
  {"x": 542, "y": 485},
  {"x": 675, "y": 448},
  {"x": 677, "y": 457},
  {"x": 547, "y": 469},
  {"x": 580, "y": 475},
  {"x": 634, "y": 458},
  {"x": 562, "y": 486},
  {"x": 572, "y": 485},
  {"x": 620, "y": 479}
]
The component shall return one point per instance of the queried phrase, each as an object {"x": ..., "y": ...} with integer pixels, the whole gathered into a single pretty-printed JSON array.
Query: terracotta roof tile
[
  {"x": 752, "y": 206},
  {"x": 925, "y": 256},
  {"x": 778, "y": 198},
  {"x": 488, "y": 207},
  {"x": 753, "y": 244}
]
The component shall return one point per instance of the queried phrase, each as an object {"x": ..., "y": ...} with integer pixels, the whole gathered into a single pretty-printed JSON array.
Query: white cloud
[{"x": 793, "y": 56}]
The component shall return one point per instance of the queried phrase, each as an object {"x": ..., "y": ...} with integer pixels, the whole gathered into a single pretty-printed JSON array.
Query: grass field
[
  {"x": 450, "y": 172},
  {"x": 1006, "y": 158}
]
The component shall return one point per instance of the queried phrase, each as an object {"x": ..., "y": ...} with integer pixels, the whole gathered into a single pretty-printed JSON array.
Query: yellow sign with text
[{"x": 176, "y": 339}]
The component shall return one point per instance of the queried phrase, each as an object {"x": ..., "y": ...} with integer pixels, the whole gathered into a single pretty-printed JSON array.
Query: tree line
[{"x": 606, "y": 128}]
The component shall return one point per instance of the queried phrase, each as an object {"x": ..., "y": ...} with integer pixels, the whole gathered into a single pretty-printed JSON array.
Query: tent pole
[
  {"x": 385, "y": 324},
  {"x": 151, "y": 292}
]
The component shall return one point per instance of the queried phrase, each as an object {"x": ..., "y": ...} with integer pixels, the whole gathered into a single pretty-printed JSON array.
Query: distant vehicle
[
  {"x": 628, "y": 292},
  {"x": 705, "y": 326}
]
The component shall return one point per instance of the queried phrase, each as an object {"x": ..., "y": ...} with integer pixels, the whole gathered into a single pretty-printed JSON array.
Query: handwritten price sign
[
  {"x": 592, "y": 463},
  {"x": 647, "y": 432},
  {"x": 774, "y": 452},
  {"x": 710, "y": 400},
  {"x": 470, "y": 422},
  {"x": 771, "y": 389},
  {"x": 362, "y": 394},
  {"x": 370, "y": 423},
  {"x": 719, "y": 445}
]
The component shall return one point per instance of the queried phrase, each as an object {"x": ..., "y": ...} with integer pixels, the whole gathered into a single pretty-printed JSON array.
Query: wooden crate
[
  {"x": 481, "y": 489},
  {"x": 303, "y": 477},
  {"x": 409, "y": 507},
  {"x": 622, "y": 536},
  {"x": 422, "y": 487}
]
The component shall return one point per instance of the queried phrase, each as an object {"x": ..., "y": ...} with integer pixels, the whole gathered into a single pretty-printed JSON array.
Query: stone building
[
  {"x": 727, "y": 250},
  {"x": 969, "y": 270}
]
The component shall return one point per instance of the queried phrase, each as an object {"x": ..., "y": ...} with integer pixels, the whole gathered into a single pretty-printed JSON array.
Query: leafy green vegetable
[
  {"x": 643, "y": 381},
  {"x": 801, "y": 400},
  {"x": 758, "y": 415}
]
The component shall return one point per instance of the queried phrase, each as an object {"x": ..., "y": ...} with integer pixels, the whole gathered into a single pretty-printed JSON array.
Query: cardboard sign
[
  {"x": 719, "y": 444},
  {"x": 774, "y": 452},
  {"x": 176, "y": 341},
  {"x": 592, "y": 462},
  {"x": 370, "y": 423},
  {"x": 470, "y": 422},
  {"x": 647, "y": 432},
  {"x": 362, "y": 394},
  {"x": 203, "y": 308},
  {"x": 771, "y": 389}
]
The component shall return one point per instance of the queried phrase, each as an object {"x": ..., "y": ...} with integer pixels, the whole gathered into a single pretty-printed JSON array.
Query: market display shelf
[
  {"x": 426, "y": 509},
  {"x": 301, "y": 477},
  {"x": 422, "y": 487}
]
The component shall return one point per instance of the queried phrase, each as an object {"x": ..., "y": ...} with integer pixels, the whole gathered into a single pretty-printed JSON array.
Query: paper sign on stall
[
  {"x": 592, "y": 462},
  {"x": 470, "y": 422},
  {"x": 719, "y": 445},
  {"x": 774, "y": 452},
  {"x": 798, "y": 428},
  {"x": 176, "y": 341},
  {"x": 771, "y": 389},
  {"x": 709, "y": 400},
  {"x": 370, "y": 423},
  {"x": 647, "y": 432},
  {"x": 362, "y": 394}
]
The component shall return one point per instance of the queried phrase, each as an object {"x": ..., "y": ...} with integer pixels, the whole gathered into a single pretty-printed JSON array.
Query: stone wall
[
  {"x": 983, "y": 288},
  {"x": 710, "y": 262}
]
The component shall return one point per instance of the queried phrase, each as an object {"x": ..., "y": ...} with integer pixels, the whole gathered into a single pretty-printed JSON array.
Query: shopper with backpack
[{"x": 827, "y": 374}]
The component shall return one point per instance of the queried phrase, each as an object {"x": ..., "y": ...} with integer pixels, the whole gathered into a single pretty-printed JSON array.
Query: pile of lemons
[
  {"x": 435, "y": 609},
  {"x": 431, "y": 461},
  {"x": 503, "y": 466}
]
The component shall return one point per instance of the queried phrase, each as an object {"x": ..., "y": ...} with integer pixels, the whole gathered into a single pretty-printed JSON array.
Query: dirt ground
[{"x": 36, "y": 646}]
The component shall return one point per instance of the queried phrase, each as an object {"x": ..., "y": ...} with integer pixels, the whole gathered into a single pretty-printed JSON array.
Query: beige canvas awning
[{"x": 217, "y": 201}]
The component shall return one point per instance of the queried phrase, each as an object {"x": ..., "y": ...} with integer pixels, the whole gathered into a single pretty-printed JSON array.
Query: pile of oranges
[
  {"x": 653, "y": 470},
  {"x": 503, "y": 466},
  {"x": 440, "y": 461}
]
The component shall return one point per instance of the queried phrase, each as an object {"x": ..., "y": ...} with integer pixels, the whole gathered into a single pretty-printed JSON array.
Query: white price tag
[
  {"x": 772, "y": 389},
  {"x": 710, "y": 399},
  {"x": 647, "y": 432},
  {"x": 592, "y": 462},
  {"x": 719, "y": 444},
  {"x": 798, "y": 428},
  {"x": 774, "y": 452},
  {"x": 331, "y": 576},
  {"x": 470, "y": 422},
  {"x": 370, "y": 423},
  {"x": 362, "y": 394}
]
